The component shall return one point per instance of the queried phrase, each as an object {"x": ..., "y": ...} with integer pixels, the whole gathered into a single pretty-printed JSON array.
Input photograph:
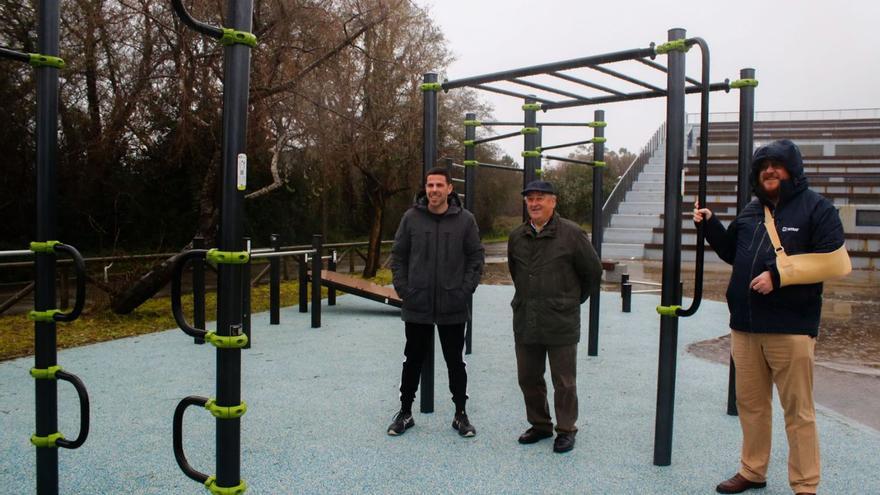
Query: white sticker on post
[{"x": 242, "y": 172}]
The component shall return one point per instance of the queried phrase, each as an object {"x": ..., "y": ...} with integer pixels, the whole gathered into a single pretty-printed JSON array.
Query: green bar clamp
[
  {"x": 37, "y": 60},
  {"x": 226, "y": 342},
  {"x": 468, "y": 143},
  {"x": 598, "y": 140},
  {"x": 531, "y": 154},
  {"x": 670, "y": 46},
  {"x": 668, "y": 310},
  {"x": 472, "y": 123},
  {"x": 211, "y": 485},
  {"x": 222, "y": 412},
  {"x": 45, "y": 374},
  {"x": 530, "y": 130},
  {"x": 531, "y": 106},
  {"x": 44, "y": 247},
  {"x": 470, "y": 163},
  {"x": 47, "y": 442},
  {"x": 432, "y": 87},
  {"x": 44, "y": 316},
  {"x": 227, "y": 257},
  {"x": 597, "y": 123},
  {"x": 233, "y": 37},
  {"x": 744, "y": 83},
  {"x": 539, "y": 172},
  {"x": 598, "y": 163}
]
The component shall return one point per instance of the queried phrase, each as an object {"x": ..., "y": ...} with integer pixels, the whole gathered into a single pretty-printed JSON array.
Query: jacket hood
[
  {"x": 787, "y": 153},
  {"x": 453, "y": 200}
]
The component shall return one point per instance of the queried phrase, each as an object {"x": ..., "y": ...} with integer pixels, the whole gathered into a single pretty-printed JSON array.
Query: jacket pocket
[
  {"x": 416, "y": 299},
  {"x": 561, "y": 315},
  {"x": 453, "y": 301}
]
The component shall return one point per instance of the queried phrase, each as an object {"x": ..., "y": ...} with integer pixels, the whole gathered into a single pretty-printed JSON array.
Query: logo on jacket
[{"x": 790, "y": 229}]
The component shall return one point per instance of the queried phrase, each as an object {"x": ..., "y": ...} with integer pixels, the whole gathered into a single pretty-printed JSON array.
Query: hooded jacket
[
  {"x": 436, "y": 262},
  {"x": 806, "y": 223},
  {"x": 554, "y": 272}
]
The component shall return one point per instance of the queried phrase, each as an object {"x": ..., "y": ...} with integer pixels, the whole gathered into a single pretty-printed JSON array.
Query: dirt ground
[{"x": 847, "y": 373}]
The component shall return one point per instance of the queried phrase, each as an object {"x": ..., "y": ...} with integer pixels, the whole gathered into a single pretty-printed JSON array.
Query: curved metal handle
[
  {"x": 83, "y": 410},
  {"x": 80, "y": 268},
  {"x": 177, "y": 434},
  {"x": 176, "y": 306},
  {"x": 196, "y": 25},
  {"x": 701, "y": 194}
]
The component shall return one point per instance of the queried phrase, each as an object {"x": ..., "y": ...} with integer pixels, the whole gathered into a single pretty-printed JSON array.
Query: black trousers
[{"x": 418, "y": 341}]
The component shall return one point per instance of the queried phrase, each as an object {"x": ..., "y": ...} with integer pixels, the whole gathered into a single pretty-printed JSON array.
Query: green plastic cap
[
  {"x": 38, "y": 60},
  {"x": 744, "y": 83},
  {"x": 233, "y": 37}
]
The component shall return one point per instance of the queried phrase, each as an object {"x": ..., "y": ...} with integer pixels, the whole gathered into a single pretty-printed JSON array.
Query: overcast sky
[{"x": 809, "y": 55}]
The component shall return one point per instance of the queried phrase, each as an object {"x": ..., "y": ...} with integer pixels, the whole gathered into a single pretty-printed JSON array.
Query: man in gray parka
[
  {"x": 436, "y": 260},
  {"x": 554, "y": 269}
]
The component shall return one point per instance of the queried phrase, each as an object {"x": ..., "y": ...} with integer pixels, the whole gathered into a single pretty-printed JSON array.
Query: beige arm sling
[{"x": 808, "y": 268}]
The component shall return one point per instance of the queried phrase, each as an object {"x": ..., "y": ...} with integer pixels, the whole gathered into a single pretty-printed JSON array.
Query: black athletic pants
[{"x": 418, "y": 337}]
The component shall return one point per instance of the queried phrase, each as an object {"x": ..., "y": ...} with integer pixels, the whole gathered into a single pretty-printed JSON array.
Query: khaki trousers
[
  {"x": 786, "y": 360},
  {"x": 530, "y": 365}
]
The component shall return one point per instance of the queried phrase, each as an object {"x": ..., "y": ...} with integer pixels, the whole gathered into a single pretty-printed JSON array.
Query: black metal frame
[
  {"x": 677, "y": 86},
  {"x": 45, "y": 332}
]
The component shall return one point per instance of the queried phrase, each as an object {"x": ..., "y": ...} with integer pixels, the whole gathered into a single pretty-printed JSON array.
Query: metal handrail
[{"x": 626, "y": 181}]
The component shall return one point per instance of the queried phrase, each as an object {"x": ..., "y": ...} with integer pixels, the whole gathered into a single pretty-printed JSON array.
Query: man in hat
[{"x": 554, "y": 269}]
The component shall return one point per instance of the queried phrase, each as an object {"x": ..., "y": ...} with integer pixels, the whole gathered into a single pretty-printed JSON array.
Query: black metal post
[
  {"x": 530, "y": 161},
  {"x": 246, "y": 296},
  {"x": 45, "y": 355},
  {"x": 598, "y": 201},
  {"x": 743, "y": 191},
  {"x": 429, "y": 157},
  {"x": 275, "y": 282},
  {"x": 470, "y": 187},
  {"x": 670, "y": 294},
  {"x": 198, "y": 283},
  {"x": 303, "y": 275},
  {"x": 625, "y": 293},
  {"x": 331, "y": 267},
  {"x": 317, "y": 241}
]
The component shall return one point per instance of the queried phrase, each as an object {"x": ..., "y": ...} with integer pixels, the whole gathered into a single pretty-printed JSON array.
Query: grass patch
[{"x": 99, "y": 324}]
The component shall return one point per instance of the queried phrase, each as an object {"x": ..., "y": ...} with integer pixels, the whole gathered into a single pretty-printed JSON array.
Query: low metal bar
[
  {"x": 496, "y": 138},
  {"x": 550, "y": 67},
  {"x": 279, "y": 254},
  {"x": 22, "y": 252},
  {"x": 549, "y": 89},
  {"x": 642, "y": 95},
  {"x": 588, "y": 84},
  {"x": 303, "y": 276},
  {"x": 275, "y": 283},
  {"x": 331, "y": 292},
  {"x": 505, "y": 92},
  {"x": 625, "y": 77},
  {"x": 316, "y": 281}
]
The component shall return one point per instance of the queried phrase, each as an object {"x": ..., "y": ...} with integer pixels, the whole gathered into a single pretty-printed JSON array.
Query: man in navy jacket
[{"x": 775, "y": 299}]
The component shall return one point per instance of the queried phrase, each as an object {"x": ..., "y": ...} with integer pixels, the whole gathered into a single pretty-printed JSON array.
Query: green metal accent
[
  {"x": 44, "y": 247},
  {"x": 432, "y": 87},
  {"x": 468, "y": 143},
  {"x": 211, "y": 485},
  {"x": 227, "y": 257},
  {"x": 531, "y": 154},
  {"x": 598, "y": 140},
  {"x": 222, "y": 412},
  {"x": 45, "y": 374},
  {"x": 472, "y": 123},
  {"x": 744, "y": 83},
  {"x": 529, "y": 130},
  {"x": 668, "y": 310},
  {"x": 233, "y": 37},
  {"x": 531, "y": 106},
  {"x": 597, "y": 123},
  {"x": 47, "y": 442},
  {"x": 44, "y": 316},
  {"x": 470, "y": 163},
  {"x": 227, "y": 342},
  {"x": 597, "y": 163},
  {"x": 38, "y": 60},
  {"x": 539, "y": 172},
  {"x": 670, "y": 46}
]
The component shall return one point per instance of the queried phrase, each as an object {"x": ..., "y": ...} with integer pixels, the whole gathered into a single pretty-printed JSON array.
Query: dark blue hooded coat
[{"x": 806, "y": 223}]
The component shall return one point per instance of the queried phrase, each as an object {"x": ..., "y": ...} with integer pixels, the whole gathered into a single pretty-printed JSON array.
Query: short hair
[{"x": 439, "y": 171}]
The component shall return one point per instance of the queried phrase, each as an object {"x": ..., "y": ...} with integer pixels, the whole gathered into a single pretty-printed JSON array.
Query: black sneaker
[
  {"x": 402, "y": 422},
  {"x": 463, "y": 426}
]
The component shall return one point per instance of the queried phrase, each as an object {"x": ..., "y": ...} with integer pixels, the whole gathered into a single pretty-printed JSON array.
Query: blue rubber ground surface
[{"x": 320, "y": 401}]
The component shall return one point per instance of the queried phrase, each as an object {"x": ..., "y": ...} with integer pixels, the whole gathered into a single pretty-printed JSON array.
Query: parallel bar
[
  {"x": 625, "y": 77},
  {"x": 500, "y": 167},
  {"x": 496, "y": 138},
  {"x": 547, "y": 124},
  {"x": 505, "y": 92},
  {"x": 567, "y": 160},
  {"x": 20, "y": 252},
  {"x": 655, "y": 65},
  {"x": 598, "y": 200},
  {"x": 542, "y": 87},
  {"x": 550, "y": 67},
  {"x": 281, "y": 254},
  {"x": 565, "y": 145},
  {"x": 588, "y": 84},
  {"x": 641, "y": 95}
]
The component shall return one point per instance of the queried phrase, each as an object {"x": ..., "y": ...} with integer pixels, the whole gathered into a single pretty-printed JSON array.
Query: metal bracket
[
  {"x": 226, "y": 342},
  {"x": 431, "y": 86},
  {"x": 47, "y": 442},
  {"x": 45, "y": 373},
  {"x": 211, "y": 485},
  {"x": 672, "y": 46},
  {"x": 44, "y": 316},
  {"x": 38, "y": 60},
  {"x": 44, "y": 247},
  {"x": 227, "y": 257},
  {"x": 668, "y": 310},
  {"x": 225, "y": 412},
  {"x": 744, "y": 83},
  {"x": 233, "y": 37}
]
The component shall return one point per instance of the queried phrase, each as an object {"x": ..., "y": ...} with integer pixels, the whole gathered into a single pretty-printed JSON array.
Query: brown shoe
[
  {"x": 738, "y": 484},
  {"x": 533, "y": 435}
]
